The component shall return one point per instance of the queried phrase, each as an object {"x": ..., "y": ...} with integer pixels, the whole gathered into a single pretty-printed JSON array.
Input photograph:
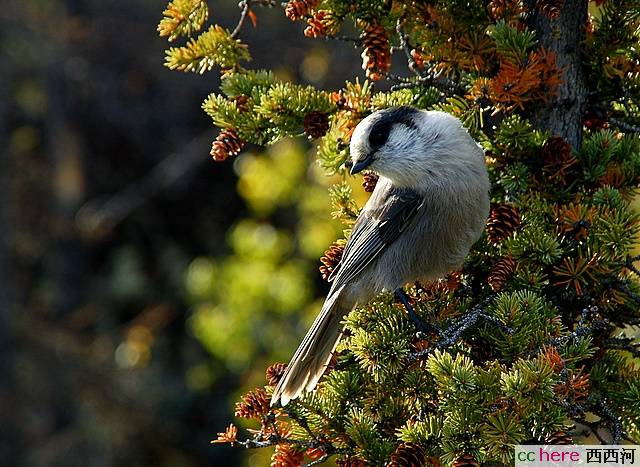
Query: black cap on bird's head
[{"x": 377, "y": 128}]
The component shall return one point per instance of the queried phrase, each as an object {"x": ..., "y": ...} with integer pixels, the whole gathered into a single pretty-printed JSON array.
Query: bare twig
[
  {"x": 245, "y": 7},
  {"x": 405, "y": 47},
  {"x": 624, "y": 126}
]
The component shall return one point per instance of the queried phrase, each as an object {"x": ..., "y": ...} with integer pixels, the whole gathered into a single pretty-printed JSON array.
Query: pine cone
[
  {"x": 369, "y": 181},
  {"x": 417, "y": 58},
  {"x": 559, "y": 438},
  {"x": 550, "y": 8},
  {"x": 465, "y": 460},
  {"x": 241, "y": 102},
  {"x": 275, "y": 372},
  {"x": 226, "y": 144},
  {"x": 500, "y": 272},
  {"x": 317, "y": 25},
  {"x": 593, "y": 120},
  {"x": 555, "y": 150},
  {"x": 314, "y": 453},
  {"x": 316, "y": 124},
  {"x": 254, "y": 404},
  {"x": 557, "y": 158},
  {"x": 350, "y": 462},
  {"x": 501, "y": 9},
  {"x": 408, "y": 455},
  {"x": 330, "y": 260},
  {"x": 503, "y": 221},
  {"x": 286, "y": 455},
  {"x": 298, "y": 9},
  {"x": 376, "y": 56}
]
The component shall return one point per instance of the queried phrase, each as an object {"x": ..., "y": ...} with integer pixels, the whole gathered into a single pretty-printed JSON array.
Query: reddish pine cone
[
  {"x": 501, "y": 272},
  {"x": 376, "y": 56},
  {"x": 226, "y": 144},
  {"x": 503, "y": 221},
  {"x": 559, "y": 438},
  {"x": 550, "y": 8},
  {"x": 417, "y": 58},
  {"x": 317, "y": 25},
  {"x": 330, "y": 260},
  {"x": 298, "y": 9},
  {"x": 593, "y": 120},
  {"x": 275, "y": 372},
  {"x": 408, "y": 455},
  {"x": 369, "y": 181},
  {"x": 255, "y": 404},
  {"x": 286, "y": 455},
  {"x": 316, "y": 124},
  {"x": 465, "y": 460}
]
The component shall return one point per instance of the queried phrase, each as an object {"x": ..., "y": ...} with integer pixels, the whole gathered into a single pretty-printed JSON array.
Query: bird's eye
[{"x": 379, "y": 135}]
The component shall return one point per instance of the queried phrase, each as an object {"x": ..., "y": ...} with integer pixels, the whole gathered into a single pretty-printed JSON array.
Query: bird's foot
[{"x": 422, "y": 327}]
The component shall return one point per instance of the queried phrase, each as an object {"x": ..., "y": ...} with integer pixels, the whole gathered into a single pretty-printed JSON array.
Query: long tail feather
[{"x": 314, "y": 353}]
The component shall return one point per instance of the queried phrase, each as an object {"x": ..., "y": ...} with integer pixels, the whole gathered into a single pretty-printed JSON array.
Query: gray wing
[{"x": 375, "y": 228}]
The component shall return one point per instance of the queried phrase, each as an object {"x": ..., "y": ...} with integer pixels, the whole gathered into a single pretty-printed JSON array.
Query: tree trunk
[{"x": 562, "y": 115}]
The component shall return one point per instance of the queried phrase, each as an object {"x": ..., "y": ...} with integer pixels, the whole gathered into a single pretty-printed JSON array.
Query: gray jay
[{"x": 429, "y": 206}]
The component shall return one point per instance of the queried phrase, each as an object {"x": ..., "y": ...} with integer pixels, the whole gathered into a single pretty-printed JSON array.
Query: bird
[{"x": 429, "y": 206}]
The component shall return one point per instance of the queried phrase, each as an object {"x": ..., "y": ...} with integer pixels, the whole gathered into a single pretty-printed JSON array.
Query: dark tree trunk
[{"x": 562, "y": 115}]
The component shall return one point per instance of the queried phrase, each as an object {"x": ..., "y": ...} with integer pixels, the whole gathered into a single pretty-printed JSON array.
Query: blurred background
[{"x": 144, "y": 287}]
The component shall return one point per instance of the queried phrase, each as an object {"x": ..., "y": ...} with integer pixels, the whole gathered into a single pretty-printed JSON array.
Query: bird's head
[{"x": 412, "y": 147}]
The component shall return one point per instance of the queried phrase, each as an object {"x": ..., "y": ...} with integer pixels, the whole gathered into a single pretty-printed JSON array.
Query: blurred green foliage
[{"x": 242, "y": 303}]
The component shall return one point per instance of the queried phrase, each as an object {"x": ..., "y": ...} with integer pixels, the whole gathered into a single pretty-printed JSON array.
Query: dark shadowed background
[{"x": 114, "y": 348}]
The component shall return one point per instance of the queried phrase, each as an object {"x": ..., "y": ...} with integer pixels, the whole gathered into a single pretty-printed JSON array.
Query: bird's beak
[{"x": 362, "y": 164}]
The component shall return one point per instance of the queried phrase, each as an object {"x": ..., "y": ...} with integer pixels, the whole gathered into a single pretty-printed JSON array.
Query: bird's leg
[{"x": 419, "y": 324}]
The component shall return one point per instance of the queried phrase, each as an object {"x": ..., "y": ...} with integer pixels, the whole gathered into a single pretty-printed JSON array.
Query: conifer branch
[
  {"x": 213, "y": 47},
  {"x": 182, "y": 18}
]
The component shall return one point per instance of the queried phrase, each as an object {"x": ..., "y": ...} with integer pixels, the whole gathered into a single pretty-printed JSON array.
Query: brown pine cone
[
  {"x": 298, "y": 9},
  {"x": 242, "y": 102},
  {"x": 255, "y": 404},
  {"x": 557, "y": 159},
  {"x": 503, "y": 221},
  {"x": 550, "y": 8},
  {"x": 465, "y": 460},
  {"x": 286, "y": 455},
  {"x": 330, "y": 260},
  {"x": 559, "y": 438},
  {"x": 376, "y": 56},
  {"x": 556, "y": 150},
  {"x": 369, "y": 181},
  {"x": 275, "y": 372},
  {"x": 350, "y": 462},
  {"x": 316, "y": 124},
  {"x": 226, "y": 144},
  {"x": 501, "y": 272},
  {"x": 408, "y": 455}
]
